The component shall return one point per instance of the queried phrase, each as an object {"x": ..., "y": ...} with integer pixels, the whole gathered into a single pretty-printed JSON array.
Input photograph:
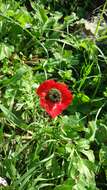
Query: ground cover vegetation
[{"x": 64, "y": 41}]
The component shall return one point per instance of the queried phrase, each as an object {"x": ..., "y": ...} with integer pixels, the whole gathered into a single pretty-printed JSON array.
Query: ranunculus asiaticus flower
[{"x": 54, "y": 97}]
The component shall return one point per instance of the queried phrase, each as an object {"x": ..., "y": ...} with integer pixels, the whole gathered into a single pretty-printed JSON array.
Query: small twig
[
  {"x": 24, "y": 137},
  {"x": 33, "y": 61}
]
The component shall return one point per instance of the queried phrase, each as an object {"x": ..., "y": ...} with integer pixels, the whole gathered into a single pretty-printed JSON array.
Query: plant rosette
[{"x": 54, "y": 97}]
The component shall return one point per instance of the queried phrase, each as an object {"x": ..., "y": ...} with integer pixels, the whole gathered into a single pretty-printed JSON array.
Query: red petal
[
  {"x": 45, "y": 87},
  {"x": 51, "y": 108}
]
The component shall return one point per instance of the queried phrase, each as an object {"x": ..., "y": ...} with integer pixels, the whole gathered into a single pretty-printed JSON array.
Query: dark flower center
[{"x": 54, "y": 95}]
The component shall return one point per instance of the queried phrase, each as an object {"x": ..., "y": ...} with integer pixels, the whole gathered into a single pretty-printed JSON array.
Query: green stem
[
  {"x": 101, "y": 17},
  {"x": 101, "y": 38}
]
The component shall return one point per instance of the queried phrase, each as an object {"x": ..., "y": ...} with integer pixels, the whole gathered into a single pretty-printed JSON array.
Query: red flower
[{"x": 54, "y": 97}]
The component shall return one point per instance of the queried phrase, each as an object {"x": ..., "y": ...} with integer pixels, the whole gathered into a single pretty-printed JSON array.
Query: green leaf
[
  {"x": 101, "y": 133},
  {"x": 103, "y": 155},
  {"x": 11, "y": 117},
  {"x": 11, "y": 169},
  {"x": 5, "y": 51},
  {"x": 91, "y": 131},
  {"x": 19, "y": 74},
  {"x": 23, "y": 17},
  {"x": 83, "y": 97},
  {"x": 89, "y": 154},
  {"x": 82, "y": 144},
  {"x": 73, "y": 123},
  {"x": 63, "y": 187},
  {"x": 43, "y": 15},
  {"x": 83, "y": 169},
  {"x": 67, "y": 185}
]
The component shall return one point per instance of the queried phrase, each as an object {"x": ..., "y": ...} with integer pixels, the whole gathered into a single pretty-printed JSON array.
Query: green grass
[{"x": 36, "y": 151}]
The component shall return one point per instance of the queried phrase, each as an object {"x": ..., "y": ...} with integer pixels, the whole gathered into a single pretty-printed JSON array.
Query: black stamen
[{"x": 54, "y": 95}]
